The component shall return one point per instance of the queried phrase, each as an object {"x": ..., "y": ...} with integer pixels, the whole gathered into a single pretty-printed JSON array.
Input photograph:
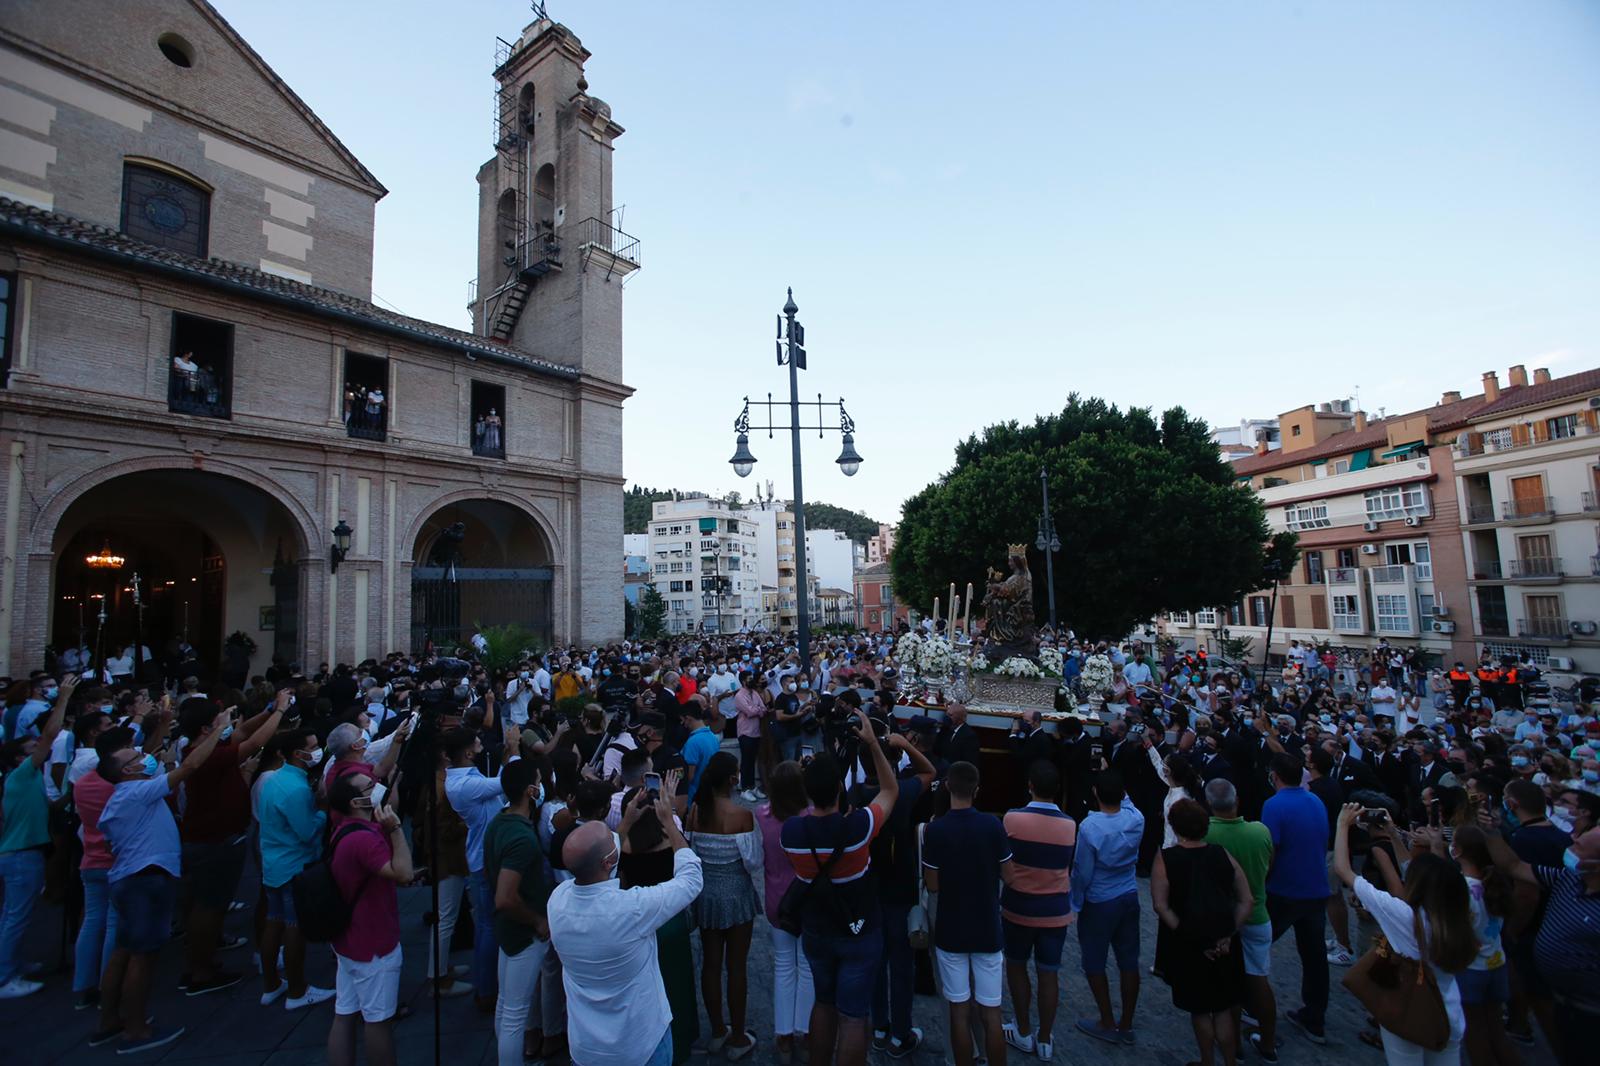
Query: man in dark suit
[
  {"x": 1075, "y": 757},
  {"x": 1208, "y": 761},
  {"x": 958, "y": 741},
  {"x": 1425, "y": 774},
  {"x": 1352, "y": 774},
  {"x": 1030, "y": 742}
]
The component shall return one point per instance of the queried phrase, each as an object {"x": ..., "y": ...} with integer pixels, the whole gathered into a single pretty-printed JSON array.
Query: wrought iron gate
[
  {"x": 286, "y": 610},
  {"x": 448, "y": 602}
]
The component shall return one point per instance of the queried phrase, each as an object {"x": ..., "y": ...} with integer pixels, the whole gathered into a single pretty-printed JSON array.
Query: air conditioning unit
[
  {"x": 1559, "y": 662},
  {"x": 1369, "y": 549},
  {"x": 1594, "y": 401},
  {"x": 1584, "y": 629},
  {"x": 1441, "y": 611},
  {"x": 1443, "y": 627},
  {"x": 1413, "y": 520},
  {"x": 1370, "y": 526}
]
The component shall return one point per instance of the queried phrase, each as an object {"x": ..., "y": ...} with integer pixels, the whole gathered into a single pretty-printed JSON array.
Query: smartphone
[
  {"x": 806, "y": 753},
  {"x": 652, "y": 785},
  {"x": 1374, "y": 816}
]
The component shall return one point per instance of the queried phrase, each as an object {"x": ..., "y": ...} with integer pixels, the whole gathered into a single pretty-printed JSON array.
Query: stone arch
[{"x": 532, "y": 512}]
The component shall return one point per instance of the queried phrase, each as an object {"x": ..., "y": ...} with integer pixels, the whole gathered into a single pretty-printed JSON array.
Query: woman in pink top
[
  {"x": 750, "y": 708},
  {"x": 792, "y": 991}
]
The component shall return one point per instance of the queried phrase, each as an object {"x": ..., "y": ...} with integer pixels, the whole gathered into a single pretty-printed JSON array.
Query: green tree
[
  {"x": 1150, "y": 517},
  {"x": 636, "y": 504},
  {"x": 853, "y": 524},
  {"x": 652, "y": 613}
]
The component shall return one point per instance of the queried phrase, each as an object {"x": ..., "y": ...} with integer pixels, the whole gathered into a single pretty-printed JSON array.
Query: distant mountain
[{"x": 637, "y": 501}]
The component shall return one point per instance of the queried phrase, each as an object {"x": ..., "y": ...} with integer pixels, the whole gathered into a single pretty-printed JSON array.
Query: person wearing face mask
[
  {"x": 721, "y": 688},
  {"x": 22, "y": 720},
  {"x": 1566, "y": 949},
  {"x": 291, "y": 838},
  {"x": 606, "y": 937},
  {"x": 23, "y": 839},
  {"x": 146, "y": 852},
  {"x": 514, "y": 865},
  {"x": 216, "y": 817}
]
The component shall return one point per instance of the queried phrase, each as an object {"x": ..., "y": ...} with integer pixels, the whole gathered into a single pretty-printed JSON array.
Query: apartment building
[
  {"x": 1528, "y": 480},
  {"x": 1374, "y": 505},
  {"x": 880, "y": 546},
  {"x": 704, "y": 560}
]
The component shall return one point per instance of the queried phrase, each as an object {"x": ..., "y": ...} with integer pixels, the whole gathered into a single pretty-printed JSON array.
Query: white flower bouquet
[
  {"x": 936, "y": 657},
  {"x": 1096, "y": 676},
  {"x": 1050, "y": 661},
  {"x": 1017, "y": 666}
]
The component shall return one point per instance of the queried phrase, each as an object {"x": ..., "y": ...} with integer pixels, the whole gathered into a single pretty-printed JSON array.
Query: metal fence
[{"x": 448, "y": 603}]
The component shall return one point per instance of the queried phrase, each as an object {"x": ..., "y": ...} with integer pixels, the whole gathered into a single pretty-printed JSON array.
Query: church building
[{"x": 210, "y": 431}]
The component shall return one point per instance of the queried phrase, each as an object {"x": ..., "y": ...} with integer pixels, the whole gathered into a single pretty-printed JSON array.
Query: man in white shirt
[
  {"x": 721, "y": 687},
  {"x": 519, "y": 693},
  {"x": 617, "y": 1009},
  {"x": 1383, "y": 700},
  {"x": 541, "y": 680}
]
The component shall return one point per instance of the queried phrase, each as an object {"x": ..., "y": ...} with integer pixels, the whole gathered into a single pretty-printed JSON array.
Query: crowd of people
[{"x": 583, "y": 825}]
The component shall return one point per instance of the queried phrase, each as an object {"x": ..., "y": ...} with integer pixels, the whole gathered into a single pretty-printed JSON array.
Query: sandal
[{"x": 737, "y": 1053}]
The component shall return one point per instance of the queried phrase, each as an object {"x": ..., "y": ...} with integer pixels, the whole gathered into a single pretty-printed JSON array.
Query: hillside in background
[{"x": 637, "y": 501}]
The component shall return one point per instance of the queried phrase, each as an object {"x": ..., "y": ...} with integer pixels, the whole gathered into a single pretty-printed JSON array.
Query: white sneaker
[
  {"x": 269, "y": 998},
  {"x": 313, "y": 996},
  {"x": 18, "y": 987},
  {"x": 1340, "y": 957},
  {"x": 748, "y": 795},
  {"x": 1023, "y": 1042},
  {"x": 1046, "y": 1050}
]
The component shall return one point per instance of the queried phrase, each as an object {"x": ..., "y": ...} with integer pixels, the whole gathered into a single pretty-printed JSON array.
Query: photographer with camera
[{"x": 838, "y": 906}]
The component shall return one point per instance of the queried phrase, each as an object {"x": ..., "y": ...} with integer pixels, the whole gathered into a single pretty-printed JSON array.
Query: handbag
[{"x": 1401, "y": 993}]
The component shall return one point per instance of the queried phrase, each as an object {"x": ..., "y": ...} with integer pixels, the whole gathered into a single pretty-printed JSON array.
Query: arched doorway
[
  {"x": 212, "y": 555},
  {"x": 480, "y": 562}
]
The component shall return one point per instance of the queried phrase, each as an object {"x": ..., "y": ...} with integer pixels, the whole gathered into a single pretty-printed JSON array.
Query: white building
[
  {"x": 830, "y": 558},
  {"x": 704, "y": 561},
  {"x": 636, "y": 544}
]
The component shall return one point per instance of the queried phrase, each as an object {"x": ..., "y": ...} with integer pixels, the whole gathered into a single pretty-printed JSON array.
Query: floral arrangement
[
  {"x": 1050, "y": 661},
  {"x": 1017, "y": 666},
  {"x": 1096, "y": 676},
  {"x": 936, "y": 657}
]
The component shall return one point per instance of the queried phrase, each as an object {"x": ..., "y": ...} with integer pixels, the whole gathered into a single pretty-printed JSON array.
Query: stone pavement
[{"x": 231, "y": 1028}]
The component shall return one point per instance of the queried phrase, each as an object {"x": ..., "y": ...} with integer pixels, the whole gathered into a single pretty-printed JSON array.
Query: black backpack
[{"x": 320, "y": 907}]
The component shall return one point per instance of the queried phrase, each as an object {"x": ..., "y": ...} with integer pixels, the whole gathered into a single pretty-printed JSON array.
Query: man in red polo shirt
[{"x": 216, "y": 818}]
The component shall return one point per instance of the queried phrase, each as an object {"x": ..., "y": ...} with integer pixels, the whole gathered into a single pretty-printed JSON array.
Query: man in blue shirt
[
  {"x": 146, "y": 864},
  {"x": 701, "y": 744},
  {"x": 1297, "y": 884},
  {"x": 1105, "y": 897},
  {"x": 477, "y": 798},
  {"x": 291, "y": 837}
]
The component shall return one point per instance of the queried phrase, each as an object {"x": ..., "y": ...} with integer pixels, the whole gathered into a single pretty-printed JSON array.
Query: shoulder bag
[
  {"x": 1401, "y": 993},
  {"x": 792, "y": 905}
]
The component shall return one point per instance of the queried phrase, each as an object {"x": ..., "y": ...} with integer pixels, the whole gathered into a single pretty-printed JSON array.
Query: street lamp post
[
  {"x": 1048, "y": 543},
  {"x": 1274, "y": 570},
  {"x": 791, "y": 351},
  {"x": 716, "y": 578}
]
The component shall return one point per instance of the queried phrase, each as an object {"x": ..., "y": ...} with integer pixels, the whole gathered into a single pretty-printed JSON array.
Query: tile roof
[
  {"x": 52, "y": 227},
  {"x": 1440, "y": 417},
  {"x": 1517, "y": 397}
]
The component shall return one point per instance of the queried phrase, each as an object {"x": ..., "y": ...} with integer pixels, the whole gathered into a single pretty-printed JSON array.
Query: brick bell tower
[{"x": 551, "y": 260}]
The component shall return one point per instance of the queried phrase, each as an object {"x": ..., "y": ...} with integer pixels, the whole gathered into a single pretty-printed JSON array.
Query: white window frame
[
  {"x": 1398, "y": 501},
  {"x": 1180, "y": 618},
  {"x": 1386, "y": 617},
  {"x": 1206, "y": 617},
  {"x": 1314, "y": 515},
  {"x": 1422, "y": 559},
  {"x": 1351, "y": 609}
]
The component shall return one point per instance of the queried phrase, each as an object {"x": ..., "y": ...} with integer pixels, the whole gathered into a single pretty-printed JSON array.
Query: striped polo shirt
[
  {"x": 809, "y": 841},
  {"x": 1042, "y": 841},
  {"x": 1567, "y": 948}
]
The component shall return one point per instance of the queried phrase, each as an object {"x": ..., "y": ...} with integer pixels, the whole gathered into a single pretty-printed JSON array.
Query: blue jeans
[
  {"x": 843, "y": 969},
  {"x": 485, "y": 952},
  {"x": 23, "y": 874},
  {"x": 98, "y": 933},
  {"x": 891, "y": 998}
]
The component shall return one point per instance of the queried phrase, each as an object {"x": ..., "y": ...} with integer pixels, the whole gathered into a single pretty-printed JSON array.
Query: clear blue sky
[{"x": 1235, "y": 206}]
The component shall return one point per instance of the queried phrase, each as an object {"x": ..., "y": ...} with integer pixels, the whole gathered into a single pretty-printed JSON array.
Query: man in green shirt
[
  {"x": 24, "y": 836},
  {"x": 513, "y": 865},
  {"x": 1250, "y": 844}
]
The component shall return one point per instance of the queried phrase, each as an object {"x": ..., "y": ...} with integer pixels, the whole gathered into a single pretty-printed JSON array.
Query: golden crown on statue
[{"x": 1017, "y": 549}]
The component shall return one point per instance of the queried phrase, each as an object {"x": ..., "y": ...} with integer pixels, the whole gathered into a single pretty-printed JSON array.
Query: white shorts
[
  {"x": 1256, "y": 942},
  {"x": 370, "y": 989},
  {"x": 977, "y": 976}
]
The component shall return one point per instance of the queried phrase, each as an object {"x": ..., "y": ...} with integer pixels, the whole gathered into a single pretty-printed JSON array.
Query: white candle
[
  {"x": 936, "y": 612},
  {"x": 966, "y": 618}
]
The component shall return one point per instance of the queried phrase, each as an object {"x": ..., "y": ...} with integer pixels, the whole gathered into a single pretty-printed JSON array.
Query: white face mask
[{"x": 313, "y": 756}]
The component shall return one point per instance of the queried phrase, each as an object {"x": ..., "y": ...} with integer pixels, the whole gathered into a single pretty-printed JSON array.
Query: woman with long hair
[
  {"x": 1431, "y": 922},
  {"x": 725, "y": 837},
  {"x": 792, "y": 991},
  {"x": 1486, "y": 984}
]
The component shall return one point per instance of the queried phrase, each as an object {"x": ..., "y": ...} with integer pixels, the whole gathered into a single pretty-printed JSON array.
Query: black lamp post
[
  {"x": 1048, "y": 543},
  {"x": 791, "y": 351},
  {"x": 1274, "y": 570},
  {"x": 341, "y": 546}
]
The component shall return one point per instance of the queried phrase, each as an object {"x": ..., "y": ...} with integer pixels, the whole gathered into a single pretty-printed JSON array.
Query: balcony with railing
[
  {"x": 1527, "y": 508},
  {"x": 1397, "y": 574},
  {"x": 1544, "y": 629},
  {"x": 1535, "y": 568},
  {"x": 199, "y": 392},
  {"x": 1594, "y": 565},
  {"x": 600, "y": 242},
  {"x": 1480, "y": 513},
  {"x": 1488, "y": 570},
  {"x": 1344, "y": 575},
  {"x": 1591, "y": 502},
  {"x": 1526, "y": 435}
]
